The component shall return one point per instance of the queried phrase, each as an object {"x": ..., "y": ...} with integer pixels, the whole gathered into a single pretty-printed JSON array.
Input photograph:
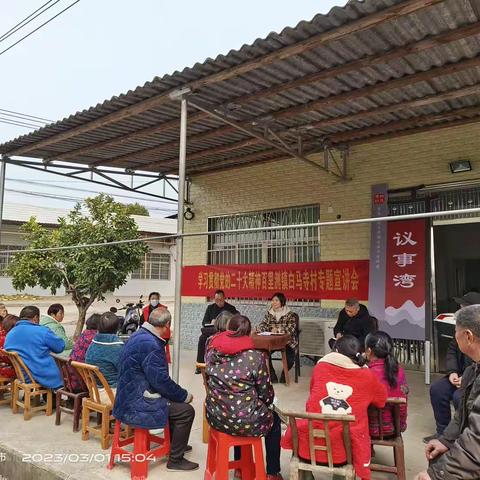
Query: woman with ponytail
[
  {"x": 342, "y": 384},
  {"x": 381, "y": 361}
]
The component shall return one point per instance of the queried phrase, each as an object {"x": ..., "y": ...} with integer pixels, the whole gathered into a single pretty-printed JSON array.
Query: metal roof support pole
[
  {"x": 179, "y": 240},
  {"x": 3, "y": 168}
]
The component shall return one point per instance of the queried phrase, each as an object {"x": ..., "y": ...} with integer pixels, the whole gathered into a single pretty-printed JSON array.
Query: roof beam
[
  {"x": 238, "y": 162},
  {"x": 329, "y": 122},
  {"x": 364, "y": 133},
  {"x": 250, "y": 131},
  {"x": 369, "y": 61},
  {"x": 414, "y": 131},
  {"x": 404, "y": 8},
  {"x": 330, "y": 101}
]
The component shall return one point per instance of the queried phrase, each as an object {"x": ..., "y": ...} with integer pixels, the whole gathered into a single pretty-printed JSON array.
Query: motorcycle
[{"x": 133, "y": 314}]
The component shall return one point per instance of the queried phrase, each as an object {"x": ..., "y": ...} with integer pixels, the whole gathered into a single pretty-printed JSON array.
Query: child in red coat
[{"x": 341, "y": 385}]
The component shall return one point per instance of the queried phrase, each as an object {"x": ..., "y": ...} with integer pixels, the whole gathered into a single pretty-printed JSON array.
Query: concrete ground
[{"x": 35, "y": 440}]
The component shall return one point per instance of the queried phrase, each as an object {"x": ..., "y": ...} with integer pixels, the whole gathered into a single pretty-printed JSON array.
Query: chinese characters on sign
[
  {"x": 405, "y": 287},
  {"x": 317, "y": 280},
  {"x": 404, "y": 259}
]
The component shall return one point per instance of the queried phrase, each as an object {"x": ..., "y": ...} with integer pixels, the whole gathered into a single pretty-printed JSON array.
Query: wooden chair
[
  {"x": 395, "y": 441},
  {"x": 94, "y": 403},
  {"x": 31, "y": 389},
  {"x": 6, "y": 390},
  {"x": 299, "y": 467},
  {"x": 67, "y": 392},
  {"x": 206, "y": 427}
]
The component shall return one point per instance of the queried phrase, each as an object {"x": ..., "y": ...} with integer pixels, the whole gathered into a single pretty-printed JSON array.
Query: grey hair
[
  {"x": 220, "y": 323},
  {"x": 468, "y": 318},
  {"x": 160, "y": 317},
  {"x": 352, "y": 302}
]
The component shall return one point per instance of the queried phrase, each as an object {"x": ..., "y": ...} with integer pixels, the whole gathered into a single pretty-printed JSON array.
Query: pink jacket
[{"x": 401, "y": 391}]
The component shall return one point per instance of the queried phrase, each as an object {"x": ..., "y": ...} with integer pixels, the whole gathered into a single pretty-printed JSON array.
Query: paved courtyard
[{"x": 33, "y": 440}]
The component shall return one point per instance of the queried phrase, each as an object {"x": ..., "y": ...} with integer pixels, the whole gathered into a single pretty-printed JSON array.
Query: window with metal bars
[
  {"x": 294, "y": 245},
  {"x": 7, "y": 258},
  {"x": 155, "y": 266}
]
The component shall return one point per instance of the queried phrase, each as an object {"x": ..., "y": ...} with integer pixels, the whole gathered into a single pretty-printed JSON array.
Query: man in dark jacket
[
  {"x": 354, "y": 320},
  {"x": 146, "y": 395},
  {"x": 213, "y": 310},
  {"x": 455, "y": 454},
  {"x": 447, "y": 389}
]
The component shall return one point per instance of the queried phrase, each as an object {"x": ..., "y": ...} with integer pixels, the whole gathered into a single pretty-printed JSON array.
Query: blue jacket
[
  {"x": 104, "y": 352},
  {"x": 144, "y": 371},
  {"x": 34, "y": 343}
]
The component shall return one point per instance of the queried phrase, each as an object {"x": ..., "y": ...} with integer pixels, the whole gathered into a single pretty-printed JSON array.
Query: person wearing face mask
[{"x": 153, "y": 304}]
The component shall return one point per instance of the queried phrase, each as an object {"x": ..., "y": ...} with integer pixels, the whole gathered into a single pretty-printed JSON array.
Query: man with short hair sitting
[
  {"x": 354, "y": 319},
  {"x": 146, "y": 395},
  {"x": 455, "y": 454},
  {"x": 34, "y": 343}
]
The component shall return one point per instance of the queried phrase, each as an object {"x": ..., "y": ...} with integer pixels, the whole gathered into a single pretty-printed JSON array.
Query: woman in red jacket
[
  {"x": 341, "y": 385},
  {"x": 153, "y": 303}
]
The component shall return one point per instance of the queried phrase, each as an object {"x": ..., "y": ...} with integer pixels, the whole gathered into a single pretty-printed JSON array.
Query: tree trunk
[{"x": 82, "y": 313}]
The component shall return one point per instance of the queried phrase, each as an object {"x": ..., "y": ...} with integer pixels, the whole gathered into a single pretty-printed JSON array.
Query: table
[{"x": 274, "y": 343}]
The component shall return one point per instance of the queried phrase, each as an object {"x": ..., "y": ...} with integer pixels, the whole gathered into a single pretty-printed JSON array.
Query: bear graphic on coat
[{"x": 336, "y": 401}]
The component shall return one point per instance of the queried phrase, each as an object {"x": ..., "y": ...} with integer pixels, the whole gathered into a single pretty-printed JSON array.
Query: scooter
[{"x": 132, "y": 318}]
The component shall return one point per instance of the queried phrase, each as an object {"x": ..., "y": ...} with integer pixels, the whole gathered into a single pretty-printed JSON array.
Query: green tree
[
  {"x": 86, "y": 273},
  {"x": 137, "y": 209}
]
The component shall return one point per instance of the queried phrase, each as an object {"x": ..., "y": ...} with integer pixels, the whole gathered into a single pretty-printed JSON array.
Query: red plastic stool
[
  {"x": 141, "y": 454},
  {"x": 218, "y": 462}
]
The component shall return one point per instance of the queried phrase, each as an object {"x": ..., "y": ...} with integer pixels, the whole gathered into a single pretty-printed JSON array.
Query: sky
[{"x": 98, "y": 49}]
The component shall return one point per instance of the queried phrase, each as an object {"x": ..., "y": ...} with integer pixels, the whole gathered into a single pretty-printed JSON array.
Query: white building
[{"x": 157, "y": 272}]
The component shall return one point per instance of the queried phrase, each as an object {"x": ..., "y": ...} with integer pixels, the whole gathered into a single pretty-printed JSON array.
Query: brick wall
[{"x": 403, "y": 162}]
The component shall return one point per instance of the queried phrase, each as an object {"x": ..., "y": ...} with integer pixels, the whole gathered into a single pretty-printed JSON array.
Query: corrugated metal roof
[
  {"x": 394, "y": 74},
  {"x": 20, "y": 213}
]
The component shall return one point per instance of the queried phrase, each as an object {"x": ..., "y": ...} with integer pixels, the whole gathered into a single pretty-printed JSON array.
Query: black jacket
[
  {"x": 456, "y": 361},
  {"x": 462, "y": 436},
  {"x": 213, "y": 311},
  {"x": 359, "y": 326}
]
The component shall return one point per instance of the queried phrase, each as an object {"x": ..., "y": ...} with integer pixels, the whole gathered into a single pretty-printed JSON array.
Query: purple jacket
[
  {"x": 78, "y": 354},
  {"x": 401, "y": 391}
]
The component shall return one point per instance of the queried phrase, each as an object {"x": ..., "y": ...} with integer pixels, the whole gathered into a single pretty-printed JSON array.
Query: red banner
[
  {"x": 310, "y": 281},
  {"x": 405, "y": 288}
]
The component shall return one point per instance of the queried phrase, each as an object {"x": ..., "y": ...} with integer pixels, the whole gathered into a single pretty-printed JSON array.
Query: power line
[
  {"x": 63, "y": 187},
  {"x": 19, "y": 124},
  {"x": 24, "y": 116},
  {"x": 356, "y": 221},
  {"x": 24, "y": 22},
  {"x": 38, "y": 28},
  {"x": 70, "y": 199}
]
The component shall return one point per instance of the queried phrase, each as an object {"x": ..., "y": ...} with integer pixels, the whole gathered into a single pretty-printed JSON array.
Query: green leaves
[{"x": 86, "y": 273}]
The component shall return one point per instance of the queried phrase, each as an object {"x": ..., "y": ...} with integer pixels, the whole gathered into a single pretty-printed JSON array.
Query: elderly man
[
  {"x": 34, "y": 343},
  {"x": 447, "y": 389},
  {"x": 354, "y": 319},
  {"x": 146, "y": 395},
  {"x": 456, "y": 453}
]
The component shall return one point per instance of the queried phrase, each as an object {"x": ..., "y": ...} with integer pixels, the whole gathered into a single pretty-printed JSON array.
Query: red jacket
[
  {"x": 401, "y": 391},
  {"x": 6, "y": 370},
  {"x": 340, "y": 386},
  {"x": 146, "y": 316}
]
